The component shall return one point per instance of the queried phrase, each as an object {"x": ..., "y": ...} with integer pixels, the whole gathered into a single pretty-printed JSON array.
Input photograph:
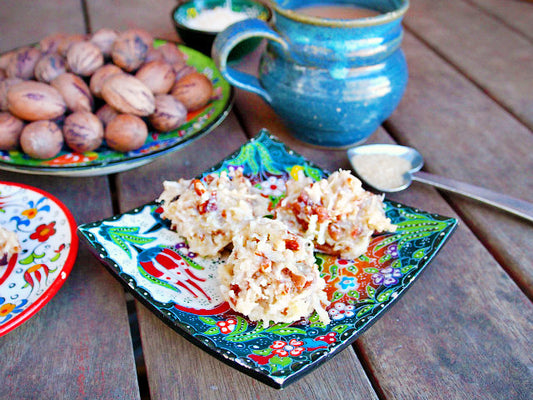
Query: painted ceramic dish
[
  {"x": 181, "y": 288},
  {"x": 106, "y": 161},
  {"x": 47, "y": 233}
]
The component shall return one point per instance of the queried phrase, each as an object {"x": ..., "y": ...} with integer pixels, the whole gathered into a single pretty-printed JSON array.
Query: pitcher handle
[{"x": 231, "y": 37}]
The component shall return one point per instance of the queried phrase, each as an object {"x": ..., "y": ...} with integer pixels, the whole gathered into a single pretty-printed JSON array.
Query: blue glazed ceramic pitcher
[{"x": 333, "y": 81}]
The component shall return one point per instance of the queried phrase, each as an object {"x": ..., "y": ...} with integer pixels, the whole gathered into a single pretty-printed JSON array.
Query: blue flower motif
[
  {"x": 348, "y": 283},
  {"x": 340, "y": 311}
]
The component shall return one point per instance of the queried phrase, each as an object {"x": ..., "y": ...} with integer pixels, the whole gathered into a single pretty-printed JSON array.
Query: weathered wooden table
[{"x": 464, "y": 331}]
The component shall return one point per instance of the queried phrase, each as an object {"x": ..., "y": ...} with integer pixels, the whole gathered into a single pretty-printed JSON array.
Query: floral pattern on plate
[
  {"x": 181, "y": 288},
  {"x": 105, "y": 160},
  {"x": 46, "y": 231}
]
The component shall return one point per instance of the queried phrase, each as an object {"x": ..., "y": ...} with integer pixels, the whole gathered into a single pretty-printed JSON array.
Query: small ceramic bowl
[{"x": 202, "y": 40}]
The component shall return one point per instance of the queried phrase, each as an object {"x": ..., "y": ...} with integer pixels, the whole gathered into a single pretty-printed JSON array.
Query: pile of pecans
[{"x": 86, "y": 90}]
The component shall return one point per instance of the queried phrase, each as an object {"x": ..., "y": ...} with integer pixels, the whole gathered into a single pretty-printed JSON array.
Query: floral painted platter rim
[
  {"x": 46, "y": 231},
  {"x": 141, "y": 251},
  {"x": 104, "y": 161}
]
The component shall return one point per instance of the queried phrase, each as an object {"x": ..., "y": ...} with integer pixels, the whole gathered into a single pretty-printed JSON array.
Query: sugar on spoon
[{"x": 392, "y": 168}]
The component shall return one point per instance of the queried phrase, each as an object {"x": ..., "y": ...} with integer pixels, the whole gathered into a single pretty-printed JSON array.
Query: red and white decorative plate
[{"x": 47, "y": 233}]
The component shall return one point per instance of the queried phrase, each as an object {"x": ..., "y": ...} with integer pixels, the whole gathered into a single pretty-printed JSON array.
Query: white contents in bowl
[
  {"x": 216, "y": 19},
  {"x": 381, "y": 171}
]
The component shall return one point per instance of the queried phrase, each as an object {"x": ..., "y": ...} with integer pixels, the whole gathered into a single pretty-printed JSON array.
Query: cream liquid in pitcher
[{"x": 337, "y": 12}]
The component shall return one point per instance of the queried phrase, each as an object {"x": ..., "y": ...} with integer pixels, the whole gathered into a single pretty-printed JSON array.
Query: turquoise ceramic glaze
[{"x": 332, "y": 81}]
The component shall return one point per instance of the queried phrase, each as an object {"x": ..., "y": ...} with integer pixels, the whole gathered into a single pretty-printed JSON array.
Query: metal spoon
[{"x": 510, "y": 204}]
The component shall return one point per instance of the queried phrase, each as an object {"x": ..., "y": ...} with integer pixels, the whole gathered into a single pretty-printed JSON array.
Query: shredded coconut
[
  {"x": 9, "y": 245},
  {"x": 336, "y": 213},
  {"x": 271, "y": 275},
  {"x": 210, "y": 211}
]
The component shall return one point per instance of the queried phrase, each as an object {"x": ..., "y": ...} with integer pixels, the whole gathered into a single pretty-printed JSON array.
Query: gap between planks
[{"x": 136, "y": 344}]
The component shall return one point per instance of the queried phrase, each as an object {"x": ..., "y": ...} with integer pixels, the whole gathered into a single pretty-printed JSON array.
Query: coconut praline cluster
[{"x": 270, "y": 274}]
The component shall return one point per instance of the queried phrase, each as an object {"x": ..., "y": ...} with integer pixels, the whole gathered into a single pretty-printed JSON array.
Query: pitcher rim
[{"x": 350, "y": 23}]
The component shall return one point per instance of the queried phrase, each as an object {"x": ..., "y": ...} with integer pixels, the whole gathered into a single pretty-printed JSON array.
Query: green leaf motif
[
  {"x": 406, "y": 269},
  {"x": 370, "y": 291},
  {"x": 212, "y": 331},
  {"x": 416, "y": 227},
  {"x": 353, "y": 268},
  {"x": 266, "y": 159},
  {"x": 340, "y": 328},
  {"x": 364, "y": 310},
  {"x": 336, "y": 296},
  {"x": 385, "y": 258},
  {"x": 371, "y": 270},
  {"x": 207, "y": 320},
  {"x": 334, "y": 272},
  {"x": 278, "y": 361},
  {"x": 313, "y": 173},
  {"x": 419, "y": 253},
  {"x": 244, "y": 337},
  {"x": 31, "y": 258},
  {"x": 384, "y": 296},
  {"x": 315, "y": 322},
  {"x": 156, "y": 281},
  {"x": 244, "y": 156},
  {"x": 263, "y": 352},
  {"x": 288, "y": 331},
  {"x": 242, "y": 326},
  {"x": 121, "y": 236}
]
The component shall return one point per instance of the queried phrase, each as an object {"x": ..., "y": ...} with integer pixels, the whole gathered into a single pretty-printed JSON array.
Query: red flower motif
[
  {"x": 43, "y": 232},
  {"x": 329, "y": 338},
  {"x": 227, "y": 326},
  {"x": 283, "y": 349}
]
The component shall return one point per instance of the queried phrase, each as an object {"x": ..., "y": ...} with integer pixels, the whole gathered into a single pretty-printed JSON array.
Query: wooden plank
[
  {"x": 463, "y": 330},
  {"x": 484, "y": 49},
  {"x": 69, "y": 348},
  {"x": 515, "y": 13},
  {"x": 125, "y": 14},
  {"x": 464, "y": 135},
  {"x": 24, "y": 21},
  {"x": 185, "y": 372}
]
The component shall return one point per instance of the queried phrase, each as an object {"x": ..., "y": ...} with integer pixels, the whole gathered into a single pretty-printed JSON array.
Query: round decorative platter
[
  {"x": 106, "y": 161},
  {"x": 154, "y": 264},
  {"x": 46, "y": 231}
]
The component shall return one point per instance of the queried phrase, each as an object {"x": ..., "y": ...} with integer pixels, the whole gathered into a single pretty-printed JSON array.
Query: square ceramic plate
[{"x": 181, "y": 288}]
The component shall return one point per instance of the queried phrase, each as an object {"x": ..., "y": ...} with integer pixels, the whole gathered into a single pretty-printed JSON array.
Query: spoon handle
[{"x": 510, "y": 204}]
